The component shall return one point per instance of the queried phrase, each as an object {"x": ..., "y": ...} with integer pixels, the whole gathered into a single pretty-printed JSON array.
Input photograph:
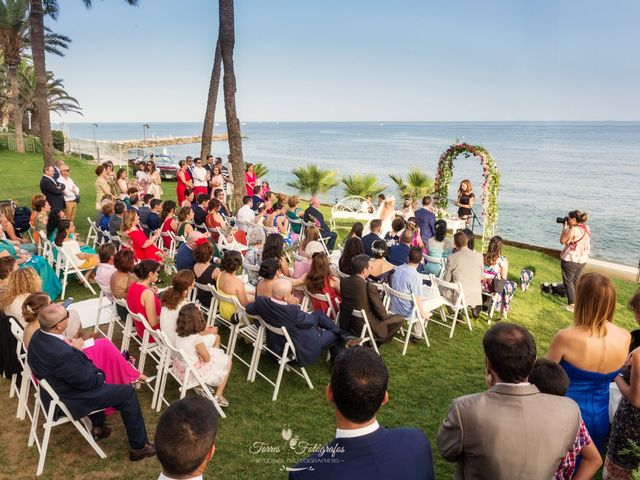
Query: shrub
[{"x": 58, "y": 140}]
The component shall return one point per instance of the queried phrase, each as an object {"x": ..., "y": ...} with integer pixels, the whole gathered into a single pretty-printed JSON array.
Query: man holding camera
[{"x": 576, "y": 238}]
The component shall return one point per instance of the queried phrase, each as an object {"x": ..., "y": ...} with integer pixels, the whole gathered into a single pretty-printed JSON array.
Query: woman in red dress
[
  {"x": 320, "y": 280},
  {"x": 144, "y": 248},
  {"x": 250, "y": 179},
  {"x": 183, "y": 181},
  {"x": 216, "y": 220},
  {"x": 142, "y": 297}
]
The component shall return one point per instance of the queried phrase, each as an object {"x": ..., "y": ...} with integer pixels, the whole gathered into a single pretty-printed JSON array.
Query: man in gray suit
[
  {"x": 511, "y": 431},
  {"x": 466, "y": 266}
]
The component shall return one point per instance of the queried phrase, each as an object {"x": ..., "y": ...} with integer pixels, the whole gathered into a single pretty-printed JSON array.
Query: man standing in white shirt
[
  {"x": 200, "y": 178},
  {"x": 246, "y": 217},
  {"x": 71, "y": 192}
]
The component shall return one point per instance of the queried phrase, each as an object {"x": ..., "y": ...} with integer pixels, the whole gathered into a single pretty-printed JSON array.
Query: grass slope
[{"x": 422, "y": 383}]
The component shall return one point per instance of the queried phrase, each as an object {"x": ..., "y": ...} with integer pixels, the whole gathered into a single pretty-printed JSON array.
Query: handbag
[{"x": 77, "y": 200}]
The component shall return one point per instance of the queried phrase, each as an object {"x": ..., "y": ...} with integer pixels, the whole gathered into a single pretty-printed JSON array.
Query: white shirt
[
  {"x": 199, "y": 177},
  {"x": 57, "y": 335},
  {"x": 141, "y": 176},
  {"x": 71, "y": 190},
  {"x": 357, "y": 432},
  {"x": 164, "y": 477},
  {"x": 246, "y": 216},
  {"x": 523, "y": 384}
]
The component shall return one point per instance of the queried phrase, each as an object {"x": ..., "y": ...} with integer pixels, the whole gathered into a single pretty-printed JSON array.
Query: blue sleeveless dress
[{"x": 590, "y": 390}]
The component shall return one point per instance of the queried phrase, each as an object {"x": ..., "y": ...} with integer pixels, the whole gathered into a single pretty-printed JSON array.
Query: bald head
[
  {"x": 281, "y": 288},
  {"x": 314, "y": 202},
  {"x": 52, "y": 316}
]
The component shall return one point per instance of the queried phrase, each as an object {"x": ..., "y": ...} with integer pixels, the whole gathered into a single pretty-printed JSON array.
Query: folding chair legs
[
  {"x": 283, "y": 364},
  {"x": 23, "y": 395}
]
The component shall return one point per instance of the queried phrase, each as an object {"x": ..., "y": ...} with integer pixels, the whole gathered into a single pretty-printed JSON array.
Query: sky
[{"x": 356, "y": 60}]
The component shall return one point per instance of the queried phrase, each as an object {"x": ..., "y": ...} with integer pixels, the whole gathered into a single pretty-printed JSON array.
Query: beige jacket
[{"x": 466, "y": 266}]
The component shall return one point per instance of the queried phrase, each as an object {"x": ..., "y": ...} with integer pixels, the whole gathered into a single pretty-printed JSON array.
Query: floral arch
[{"x": 490, "y": 186}]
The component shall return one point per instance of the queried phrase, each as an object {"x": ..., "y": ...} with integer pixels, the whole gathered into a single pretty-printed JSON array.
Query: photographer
[{"x": 576, "y": 238}]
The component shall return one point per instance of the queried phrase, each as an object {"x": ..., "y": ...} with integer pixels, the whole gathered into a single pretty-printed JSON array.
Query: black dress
[
  {"x": 625, "y": 428},
  {"x": 205, "y": 278},
  {"x": 465, "y": 199}
]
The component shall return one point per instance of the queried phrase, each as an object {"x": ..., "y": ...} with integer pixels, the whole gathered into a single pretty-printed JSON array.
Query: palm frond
[
  {"x": 313, "y": 179},
  {"x": 417, "y": 184},
  {"x": 362, "y": 185}
]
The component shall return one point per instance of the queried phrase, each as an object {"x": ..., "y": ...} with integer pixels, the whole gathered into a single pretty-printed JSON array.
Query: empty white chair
[
  {"x": 92, "y": 236},
  {"x": 452, "y": 296}
]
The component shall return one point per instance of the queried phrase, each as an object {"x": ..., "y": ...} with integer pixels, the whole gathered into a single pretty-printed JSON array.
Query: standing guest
[
  {"x": 257, "y": 199},
  {"x": 481, "y": 440},
  {"x": 381, "y": 199},
  {"x": 229, "y": 285},
  {"x": 313, "y": 214},
  {"x": 380, "y": 271},
  {"x": 438, "y": 246},
  {"x": 185, "y": 438},
  {"x": 592, "y": 351},
  {"x": 169, "y": 222},
  {"x": 115, "y": 220},
  {"x": 205, "y": 271},
  {"x": 320, "y": 280},
  {"x": 185, "y": 222},
  {"x": 253, "y": 256},
  {"x": 173, "y": 299},
  {"x": 142, "y": 296},
  {"x": 398, "y": 254},
  {"x": 145, "y": 208},
  {"x": 122, "y": 278},
  {"x": 576, "y": 238},
  {"x": 226, "y": 175},
  {"x": 102, "y": 185},
  {"x": 189, "y": 161},
  {"x": 153, "y": 219},
  {"x": 71, "y": 192},
  {"x": 265, "y": 189},
  {"x": 216, "y": 181},
  {"x": 406, "y": 279},
  {"x": 200, "y": 179},
  {"x": 111, "y": 177},
  {"x": 466, "y": 197},
  {"x": 621, "y": 464},
  {"x": 184, "y": 255},
  {"x": 352, "y": 247},
  {"x": 374, "y": 235},
  {"x": 183, "y": 181},
  {"x": 202, "y": 350},
  {"x": 496, "y": 268},
  {"x": 56, "y": 169},
  {"x": 550, "y": 378},
  {"x": 294, "y": 213},
  {"x": 466, "y": 266},
  {"x": 81, "y": 385},
  {"x": 52, "y": 190},
  {"x": 143, "y": 246},
  {"x": 219, "y": 195},
  {"x": 154, "y": 181},
  {"x": 105, "y": 268},
  {"x": 412, "y": 226},
  {"x": 122, "y": 183},
  {"x": 358, "y": 294},
  {"x": 393, "y": 237},
  {"x": 426, "y": 219},
  {"x": 246, "y": 217},
  {"x": 358, "y": 388},
  {"x": 250, "y": 178},
  {"x": 141, "y": 176}
]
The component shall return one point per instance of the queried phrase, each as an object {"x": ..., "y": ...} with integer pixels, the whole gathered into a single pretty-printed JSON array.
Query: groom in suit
[
  {"x": 80, "y": 385},
  {"x": 52, "y": 190},
  {"x": 361, "y": 447}
]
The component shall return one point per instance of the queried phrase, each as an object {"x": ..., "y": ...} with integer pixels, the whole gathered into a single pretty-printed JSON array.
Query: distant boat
[
  {"x": 244, "y": 123},
  {"x": 381, "y": 124},
  {"x": 216, "y": 124}
]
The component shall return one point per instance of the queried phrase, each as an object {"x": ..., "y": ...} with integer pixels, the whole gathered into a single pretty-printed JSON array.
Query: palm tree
[
  {"x": 38, "y": 33},
  {"x": 362, "y": 185},
  {"x": 313, "y": 180},
  {"x": 212, "y": 100},
  {"x": 234, "y": 134},
  {"x": 417, "y": 185}
]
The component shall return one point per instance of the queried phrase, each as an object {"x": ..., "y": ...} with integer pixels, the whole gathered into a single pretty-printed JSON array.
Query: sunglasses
[{"x": 66, "y": 317}]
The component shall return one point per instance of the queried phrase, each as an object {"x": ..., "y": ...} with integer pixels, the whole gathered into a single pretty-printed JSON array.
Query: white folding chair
[
  {"x": 50, "y": 421},
  {"x": 65, "y": 267},
  {"x": 128, "y": 331},
  {"x": 92, "y": 236},
  {"x": 21, "y": 391},
  {"x": 206, "y": 309},
  {"x": 219, "y": 319},
  {"x": 439, "y": 261},
  {"x": 248, "y": 327},
  {"x": 107, "y": 302},
  {"x": 414, "y": 320},
  {"x": 249, "y": 268},
  {"x": 366, "y": 334},
  {"x": 454, "y": 299},
  {"x": 332, "y": 309},
  {"x": 147, "y": 347}
]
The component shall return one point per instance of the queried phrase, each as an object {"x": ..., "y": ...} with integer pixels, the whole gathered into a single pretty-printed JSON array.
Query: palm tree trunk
[
  {"x": 36, "y": 23},
  {"x": 227, "y": 41},
  {"x": 15, "y": 106},
  {"x": 212, "y": 100}
]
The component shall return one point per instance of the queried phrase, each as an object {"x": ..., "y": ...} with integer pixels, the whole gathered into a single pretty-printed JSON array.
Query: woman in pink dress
[
  {"x": 250, "y": 179},
  {"x": 320, "y": 280},
  {"x": 142, "y": 297},
  {"x": 143, "y": 246}
]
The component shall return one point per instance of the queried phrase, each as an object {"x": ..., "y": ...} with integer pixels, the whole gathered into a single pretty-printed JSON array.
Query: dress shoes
[
  {"x": 98, "y": 433},
  {"x": 138, "y": 454}
]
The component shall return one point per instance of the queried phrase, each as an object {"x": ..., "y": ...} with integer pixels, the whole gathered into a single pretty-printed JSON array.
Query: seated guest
[
  {"x": 127, "y": 198},
  {"x": 105, "y": 215},
  {"x": 358, "y": 389},
  {"x": 471, "y": 239},
  {"x": 277, "y": 220},
  {"x": 205, "y": 271},
  {"x": 145, "y": 208},
  {"x": 245, "y": 217},
  {"x": 253, "y": 255},
  {"x": 200, "y": 212},
  {"x": 115, "y": 221},
  {"x": 184, "y": 255},
  {"x": 358, "y": 294},
  {"x": 80, "y": 385},
  {"x": 550, "y": 378},
  {"x": 412, "y": 226},
  {"x": 267, "y": 273},
  {"x": 142, "y": 296},
  {"x": 312, "y": 214},
  {"x": 399, "y": 253},
  {"x": 480, "y": 430},
  {"x": 20, "y": 284},
  {"x": 466, "y": 266},
  {"x": 173, "y": 299},
  {"x": 134, "y": 201},
  {"x": 372, "y": 236},
  {"x": 393, "y": 237},
  {"x": 496, "y": 268},
  {"x": 7, "y": 222},
  {"x": 312, "y": 234},
  {"x": 185, "y": 438},
  {"x": 144, "y": 247},
  {"x": 230, "y": 285},
  {"x": 153, "y": 219},
  {"x": 406, "y": 279},
  {"x": 426, "y": 219},
  {"x": 356, "y": 230},
  {"x": 218, "y": 194},
  {"x": 84, "y": 259},
  {"x": 257, "y": 198},
  {"x": 352, "y": 248},
  {"x": 294, "y": 214},
  {"x": 39, "y": 216},
  {"x": 122, "y": 278},
  {"x": 274, "y": 248},
  {"x": 320, "y": 280},
  {"x": 105, "y": 268},
  {"x": 8, "y": 265},
  {"x": 380, "y": 271},
  {"x": 169, "y": 222},
  {"x": 185, "y": 222},
  {"x": 214, "y": 218},
  {"x": 201, "y": 345},
  {"x": 302, "y": 264},
  {"x": 438, "y": 246},
  {"x": 189, "y": 198},
  {"x": 309, "y": 332}
]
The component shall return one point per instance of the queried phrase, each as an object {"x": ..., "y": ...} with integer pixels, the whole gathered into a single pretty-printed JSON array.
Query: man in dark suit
[
  {"x": 145, "y": 209},
  {"x": 80, "y": 385},
  {"x": 399, "y": 254},
  {"x": 358, "y": 294},
  {"x": 200, "y": 212},
  {"x": 426, "y": 220},
  {"x": 309, "y": 332},
  {"x": 313, "y": 214},
  {"x": 374, "y": 235},
  {"x": 153, "y": 219},
  {"x": 361, "y": 447},
  {"x": 257, "y": 198},
  {"x": 51, "y": 189}
]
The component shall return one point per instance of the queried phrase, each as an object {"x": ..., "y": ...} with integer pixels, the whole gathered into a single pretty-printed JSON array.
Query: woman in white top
[
  {"x": 200, "y": 178},
  {"x": 20, "y": 284},
  {"x": 154, "y": 181},
  {"x": 576, "y": 238},
  {"x": 122, "y": 183},
  {"x": 66, "y": 239},
  {"x": 173, "y": 299}
]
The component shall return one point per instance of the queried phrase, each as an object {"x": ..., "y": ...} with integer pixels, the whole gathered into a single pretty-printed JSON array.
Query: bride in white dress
[{"x": 386, "y": 212}]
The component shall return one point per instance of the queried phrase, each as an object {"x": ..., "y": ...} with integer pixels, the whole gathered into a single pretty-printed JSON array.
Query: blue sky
[{"x": 304, "y": 60}]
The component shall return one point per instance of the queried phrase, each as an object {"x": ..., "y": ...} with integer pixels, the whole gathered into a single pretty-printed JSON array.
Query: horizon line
[{"x": 359, "y": 121}]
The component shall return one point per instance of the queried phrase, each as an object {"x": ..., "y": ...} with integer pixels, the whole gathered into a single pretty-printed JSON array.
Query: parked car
[{"x": 166, "y": 165}]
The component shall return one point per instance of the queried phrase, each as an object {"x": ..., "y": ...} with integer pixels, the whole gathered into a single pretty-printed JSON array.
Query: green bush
[
  {"x": 58, "y": 140},
  {"x": 83, "y": 156}
]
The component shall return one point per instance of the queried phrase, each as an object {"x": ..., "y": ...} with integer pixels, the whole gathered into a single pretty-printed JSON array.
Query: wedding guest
[
  {"x": 20, "y": 284},
  {"x": 320, "y": 280},
  {"x": 122, "y": 183},
  {"x": 218, "y": 193},
  {"x": 169, "y": 222},
  {"x": 380, "y": 271},
  {"x": 313, "y": 214},
  {"x": 367, "y": 241},
  {"x": 399, "y": 253},
  {"x": 274, "y": 248},
  {"x": 250, "y": 178},
  {"x": 39, "y": 215},
  {"x": 145, "y": 209},
  {"x": 352, "y": 247},
  {"x": 200, "y": 212},
  {"x": 488, "y": 449},
  {"x": 265, "y": 190},
  {"x": 217, "y": 180},
  {"x": 438, "y": 246},
  {"x": 173, "y": 299},
  {"x": 105, "y": 268},
  {"x": 200, "y": 179},
  {"x": 52, "y": 190},
  {"x": 154, "y": 181},
  {"x": 257, "y": 198},
  {"x": 71, "y": 192},
  {"x": 107, "y": 211},
  {"x": 183, "y": 182},
  {"x": 185, "y": 259},
  {"x": 7, "y": 223},
  {"x": 302, "y": 265},
  {"x": 381, "y": 199},
  {"x": 312, "y": 234},
  {"x": 144, "y": 247},
  {"x": 245, "y": 217},
  {"x": 229, "y": 285},
  {"x": 356, "y": 230},
  {"x": 122, "y": 278},
  {"x": 592, "y": 351},
  {"x": 115, "y": 221},
  {"x": 142, "y": 296},
  {"x": 189, "y": 198},
  {"x": 294, "y": 213},
  {"x": 253, "y": 256},
  {"x": 407, "y": 209},
  {"x": 466, "y": 197},
  {"x": 214, "y": 219},
  {"x": 358, "y": 389},
  {"x": 466, "y": 266},
  {"x": 358, "y": 294},
  {"x": 185, "y": 438},
  {"x": 471, "y": 239},
  {"x": 278, "y": 221},
  {"x": 496, "y": 268},
  {"x": 267, "y": 274},
  {"x": 8, "y": 265},
  {"x": 153, "y": 219},
  {"x": 185, "y": 222},
  {"x": 412, "y": 226},
  {"x": 426, "y": 219},
  {"x": 393, "y": 237},
  {"x": 576, "y": 238},
  {"x": 406, "y": 279},
  {"x": 205, "y": 271},
  {"x": 85, "y": 260},
  {"x": 102, "y": 185}
]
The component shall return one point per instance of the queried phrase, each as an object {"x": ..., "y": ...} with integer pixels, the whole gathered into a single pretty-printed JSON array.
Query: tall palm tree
[
  {"x": 212, "y": 100},
  {"x": 38, "y": 32},
  {"x": 417, "y": 185},
  {"x": 313, "y": 180},
  {"x": 234, "y": 134},
  {"x": 362, "y": 185}
]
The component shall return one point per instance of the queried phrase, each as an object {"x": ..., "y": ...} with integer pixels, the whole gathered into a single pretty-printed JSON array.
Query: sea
[{"x": 547, "y": 168}]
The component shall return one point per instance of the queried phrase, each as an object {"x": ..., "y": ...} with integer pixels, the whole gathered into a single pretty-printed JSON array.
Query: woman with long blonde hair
[
  {"x": 19, "y": 285},
  {"x": 592, "y": 351},
  {"x": 466, "y": 197}
]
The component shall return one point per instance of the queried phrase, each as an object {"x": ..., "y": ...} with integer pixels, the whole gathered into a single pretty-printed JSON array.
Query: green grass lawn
[{"x": 422, "y": 383}]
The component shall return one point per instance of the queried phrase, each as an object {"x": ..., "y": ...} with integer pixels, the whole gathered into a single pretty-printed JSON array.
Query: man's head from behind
[
  {"x": 185, "y": 437},
  {"x": 358, "y": 386},
  {"x": 376, "y": 225},
  {"x": 510, "y": 351},
  {"x": 460, "y": 240}
]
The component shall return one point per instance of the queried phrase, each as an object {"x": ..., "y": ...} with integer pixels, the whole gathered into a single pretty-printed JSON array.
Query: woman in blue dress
[
  {"x": 592, "y": 351},
  {"x": 438, "y": 247},
  {"x": 50, "y": 282}
]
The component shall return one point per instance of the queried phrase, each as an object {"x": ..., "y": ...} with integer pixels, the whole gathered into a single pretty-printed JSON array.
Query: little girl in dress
[{"x": 200, "y": 345}]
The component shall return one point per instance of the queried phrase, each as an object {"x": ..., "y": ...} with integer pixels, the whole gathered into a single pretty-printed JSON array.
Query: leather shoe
[
  {"x": 98, "y": 433},
  {"x": 138, "y": 454}
]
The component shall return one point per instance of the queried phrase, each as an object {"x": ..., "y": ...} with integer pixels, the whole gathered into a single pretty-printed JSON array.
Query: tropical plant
[
  {"x": 313, "y": 179},
  {"x": 417, "y": 184},
  {"x": 362, "y": 185}
]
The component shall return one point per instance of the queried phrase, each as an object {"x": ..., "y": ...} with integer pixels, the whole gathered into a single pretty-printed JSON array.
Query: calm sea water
[{"x": 547, "y": 168}]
